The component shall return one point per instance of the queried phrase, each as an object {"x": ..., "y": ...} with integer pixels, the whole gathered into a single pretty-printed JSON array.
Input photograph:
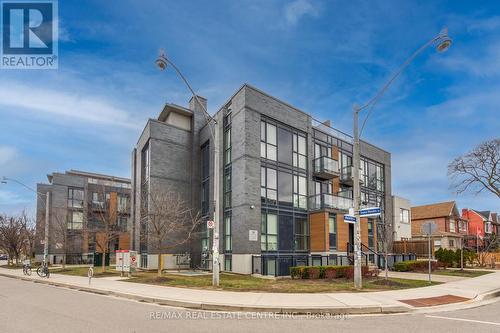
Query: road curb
[{"x": 378, "y": 309}]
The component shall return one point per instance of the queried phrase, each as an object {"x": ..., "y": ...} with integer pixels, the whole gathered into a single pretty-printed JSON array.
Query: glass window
[
  {"x": 332, "y": 229},
  {"x": 284, "y": 146},
  {"x": 300, "y": 192},
  {"x": 371, "y": 242},
  {"x": 299, "y": 151},
  {"x": 268, "y": 183},
  {"x": 122, "y": 203},
  {"x": 75, "y": 220},
  {"x": 227, "y": 187},
  {"x": 145, "y": 159},
  {"x": 227, "y": 234},
  {"x": 285, "y": 188},
  {"x": 269, "y": 232},
  {"x": 301, "y": 234},
  {"x": 227, "y": 146},
  {"x": 75, "y": 198},
  {"x": 404, "y": 215}
]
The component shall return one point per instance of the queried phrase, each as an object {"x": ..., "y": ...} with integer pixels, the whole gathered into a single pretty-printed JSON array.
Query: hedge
[
  {"x": 414, "y": 266},
  {"x": 327, "y": 272}
]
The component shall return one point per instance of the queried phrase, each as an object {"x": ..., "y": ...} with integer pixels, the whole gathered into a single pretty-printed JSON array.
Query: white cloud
[
  {"x": 60, "y": 103},
  {"x": 299, "y": 8},
  {"x": 7, "y": 154}
]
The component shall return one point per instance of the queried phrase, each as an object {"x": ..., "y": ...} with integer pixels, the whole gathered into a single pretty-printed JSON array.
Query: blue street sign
[
  {"x": 349, "y": 219},
  {"x": 370, "y": 211}
]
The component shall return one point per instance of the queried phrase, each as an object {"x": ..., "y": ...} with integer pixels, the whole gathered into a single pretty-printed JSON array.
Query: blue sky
[{"x": 320, "y": 56}]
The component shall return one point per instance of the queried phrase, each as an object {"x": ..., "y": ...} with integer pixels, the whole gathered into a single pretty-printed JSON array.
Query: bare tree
[
  {"x": 11, "y": 236},
  {"x": 170, "y": 222},
  {"x": 28, "y": 234},
  {"x": 60, "y": 231},
  {"x": 384, "y": 236},
  {"x": 102, "y": 221},
  {"x": 477, "y": 170}
]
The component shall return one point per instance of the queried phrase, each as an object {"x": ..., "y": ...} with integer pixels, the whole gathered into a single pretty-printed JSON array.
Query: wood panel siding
[
  {"x": 113, "y": 207},
  {"x": 335, "y": 185},
  {"x": 335, "y": 153},
  {"x": 124, "y": 241},
  {"x": 342, "y": 233},
  {"x": 319, "y": 232}
]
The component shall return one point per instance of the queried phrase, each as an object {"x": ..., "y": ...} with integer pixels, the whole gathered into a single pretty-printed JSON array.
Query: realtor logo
[{"x": 29, "y": 34}]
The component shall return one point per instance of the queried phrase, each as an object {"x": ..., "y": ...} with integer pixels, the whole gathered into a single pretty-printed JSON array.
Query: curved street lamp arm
[
  {"x": 23, "y": 185},
  {"x": 207, "y": 115},
  {"x": 371, "y": 103}
]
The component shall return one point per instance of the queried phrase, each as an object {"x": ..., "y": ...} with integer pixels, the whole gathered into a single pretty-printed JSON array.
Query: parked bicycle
[
  {"x": 27, "y": 267},
  {"x": 43, "y": 270}
]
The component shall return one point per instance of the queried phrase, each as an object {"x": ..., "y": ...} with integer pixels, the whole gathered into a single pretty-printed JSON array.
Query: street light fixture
[
  {"x": 47, "y": 213},
  {"x": 162, "y": 62},
  {"x": 443, "y": 43}
]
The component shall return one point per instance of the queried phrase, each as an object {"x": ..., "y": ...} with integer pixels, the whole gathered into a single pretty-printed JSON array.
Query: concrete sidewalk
[{"x": 474, "y": 289}]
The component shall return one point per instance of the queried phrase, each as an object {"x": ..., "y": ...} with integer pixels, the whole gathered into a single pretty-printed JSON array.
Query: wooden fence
[{"x": 419, "y": 247}]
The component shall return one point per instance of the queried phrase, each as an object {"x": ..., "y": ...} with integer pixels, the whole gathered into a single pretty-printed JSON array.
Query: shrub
[
  {"x": 313, "y": 272},
  {"x": 327, "y": 272},
  {"x": 447, "y": 258},
  {"x": 414, "y": 266}
]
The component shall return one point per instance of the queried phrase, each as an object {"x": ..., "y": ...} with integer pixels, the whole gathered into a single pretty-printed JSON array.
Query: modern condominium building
[
  {"x": 89, "y": 214},
  {"x": 285, "y": 183}
]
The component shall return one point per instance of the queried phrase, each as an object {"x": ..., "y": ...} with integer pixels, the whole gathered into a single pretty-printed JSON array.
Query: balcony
[
  {"x": 329, "y": 201},
  {"x": 326, "y": 168},
  {"x": 346, "y": 176}
]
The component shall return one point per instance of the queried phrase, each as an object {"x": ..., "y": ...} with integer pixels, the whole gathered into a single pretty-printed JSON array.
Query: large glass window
[
  {"x": 332, "y": 230},
  {"x": 268, "y": 185},
  {"x": 227, "y": 187},
  {"x": 75, "y": 220},
  {"x": 75, "y": 198},
  {"x": 299, "y": 192},
  {"x": 227, "y": 234},
  {"x": 285, "y": 188},
  {"x": 268, "y": 144},
  {"x": 269, "y": 232},
  {"x": 205, "y": 179},
  {"x": 227, "y": 146},
  {"x": 301, "y": 234},
  {"x": 299, "y": 151},
  {"x": 284, "y": 146},
  {"x": 145, "y": 159}
]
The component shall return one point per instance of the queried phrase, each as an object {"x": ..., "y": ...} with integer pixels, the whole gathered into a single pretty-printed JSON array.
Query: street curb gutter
[{"x": 241, "y": 308}]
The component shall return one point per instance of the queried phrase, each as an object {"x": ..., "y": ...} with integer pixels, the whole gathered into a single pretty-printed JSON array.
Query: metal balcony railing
[
  {"x": 329, "y": 201},
  {"x": 346, "y": 175},
  {"x": 326, "y": 168}
]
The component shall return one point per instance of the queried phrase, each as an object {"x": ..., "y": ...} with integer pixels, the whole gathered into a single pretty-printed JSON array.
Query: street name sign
[
  {"x": 349, "y": 219},
  {"x": 370, "y": 211}
]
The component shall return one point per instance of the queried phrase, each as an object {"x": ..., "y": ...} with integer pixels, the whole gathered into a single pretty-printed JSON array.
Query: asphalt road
[{"x": 28, "y": 307}]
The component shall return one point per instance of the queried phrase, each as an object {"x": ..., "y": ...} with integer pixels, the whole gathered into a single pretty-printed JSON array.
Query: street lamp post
[
  {"x": 47, "y": 214},
  {"x": 443, "y": 43},
  {"x": 162, "y": 63}
]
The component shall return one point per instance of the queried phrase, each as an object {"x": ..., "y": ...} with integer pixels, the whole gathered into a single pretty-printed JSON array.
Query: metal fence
[{"x": 279, "y": 265}]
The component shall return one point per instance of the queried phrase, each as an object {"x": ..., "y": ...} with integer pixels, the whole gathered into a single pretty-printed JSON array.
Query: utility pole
[
  {"x": 162, "y": 63},
  {"x": 429, "y": 249},
  {"x": 46, "y": 240},
  {"x": 215, "y": 240},
  {"x": 358, "y": 283}
]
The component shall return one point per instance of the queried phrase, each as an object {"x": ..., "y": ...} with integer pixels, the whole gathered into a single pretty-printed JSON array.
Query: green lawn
[
  {"x": 457, "y": 272},
  {"x": 83, "y": 270},
  {"x": 235, "y": 282}
]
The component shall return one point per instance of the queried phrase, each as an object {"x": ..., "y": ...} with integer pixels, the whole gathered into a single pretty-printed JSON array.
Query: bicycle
[
  {"x": 27, "y": 269},
  {"x": 43, "y": 271}
]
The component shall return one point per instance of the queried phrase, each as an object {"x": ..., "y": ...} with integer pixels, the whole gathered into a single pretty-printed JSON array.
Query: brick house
[
  {"x": 451, "y": 227},
  {"x": 482, "y": 224}
]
